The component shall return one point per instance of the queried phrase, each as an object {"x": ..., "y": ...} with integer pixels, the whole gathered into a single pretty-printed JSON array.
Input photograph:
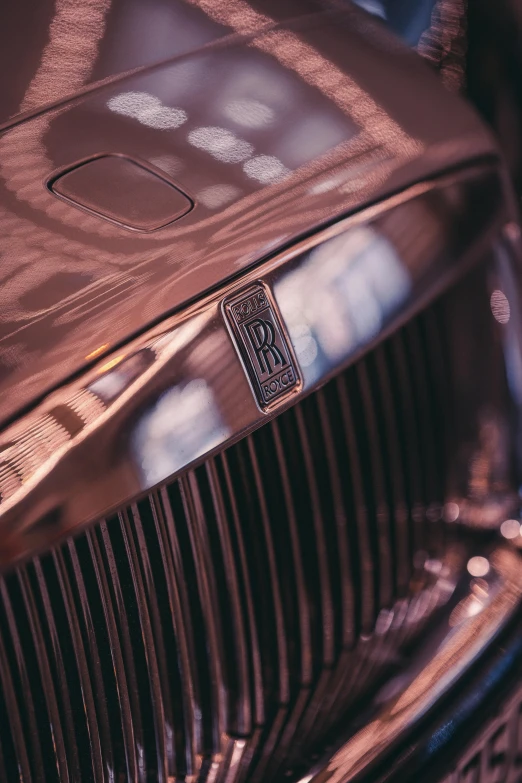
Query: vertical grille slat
[
  {"x": 420, "y": 397},
  {"x": 125, "y": 624},
  {"x": 258, "y": 709},
  {"x": 195, "y": 522},
  {"x": 126, "y": 706},
  {"x": 216, "y": 630},
  {"x": 3, "y": 768},
  {"x": 71, "y": 718},
  {"x": 179, "y": 675},
  {"x": 93, "y": 747},
  {"x": 439, "y": 385},
  {"x": 248, "y": 602},
  {"x": 346, "y": 599},
  {"x": 283, "y": 674},
  {"x": 429, "y": 415},
  {"x": 273, "y": 618},
  {"x": 19, "y": 760},
  {"x": 376, "y": 499},
  {"x": 291, "y": 568},
  {"x": 18, "y": 668},
  {"x": 46, "y": 681},
  {"x": 412, "y": 454},
  {"x": 153, "y": 646},
  {"x": 73, "y": 582},
  {"x": 298, "y": 566},
  {"x": 393, "y": 468},
  {"x": 180, "y": 605},
  {"x": 237, "y": 658},
  {"x": 361, "y": 543},
  {"x": 325, "y": 592}
]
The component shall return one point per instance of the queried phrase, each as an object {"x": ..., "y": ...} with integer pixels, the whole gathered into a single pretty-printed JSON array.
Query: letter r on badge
[{"x": 262, "y": 336}]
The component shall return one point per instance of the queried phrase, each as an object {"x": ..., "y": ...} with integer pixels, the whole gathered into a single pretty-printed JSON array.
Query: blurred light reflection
[
  {"x": 265, "y": 169},
  {"x": 500, "y": 307},
  {"x": 478, "y": 566},
  {"x": 221, "y": 143},
  {"x": 374, "y": 7},
  {"x": 340, "y": 297},
  {"x": 510, "y": 528},
  {"x": 215, "y": 196},
  {"x": 433, "y": 566},
  {"x": 97, "y": 351},
  {"x": 116, "y": 375},
  {"x": 184, "y": 423},
  {"x": 147, "y": 109},
  {"x": 249, "y": 113},
  {"x": 451, "y": 512},
  {"x": 466, "y": 608}
]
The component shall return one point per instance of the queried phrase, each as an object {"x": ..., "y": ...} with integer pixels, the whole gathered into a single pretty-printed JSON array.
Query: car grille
[{"x": 220, "y": 626}]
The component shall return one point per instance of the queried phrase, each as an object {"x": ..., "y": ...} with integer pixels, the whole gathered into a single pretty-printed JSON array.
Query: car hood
[{"x": 273, "y": 123}]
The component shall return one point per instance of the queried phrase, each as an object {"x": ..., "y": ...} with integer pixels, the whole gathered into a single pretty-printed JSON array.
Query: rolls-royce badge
[{"x": 260, "y": 339}]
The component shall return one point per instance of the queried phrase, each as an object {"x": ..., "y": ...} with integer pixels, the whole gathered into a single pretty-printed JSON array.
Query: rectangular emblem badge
[{"x": 262, "y": 344}]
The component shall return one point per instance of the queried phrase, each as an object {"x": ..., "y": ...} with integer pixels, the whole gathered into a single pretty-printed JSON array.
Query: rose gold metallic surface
[
  {"x": 181, "y": 390},
  {"x": 271, "y": 135},
  {"x": 260, "y": 394}
]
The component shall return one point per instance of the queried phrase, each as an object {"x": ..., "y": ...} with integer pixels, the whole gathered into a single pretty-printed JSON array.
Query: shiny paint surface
[
  {"x": 181, "y": 391},
  {"x": 278, "y": 120},
  {"x": 121, "y": 35},
  {"x": 272, "y": 126}
]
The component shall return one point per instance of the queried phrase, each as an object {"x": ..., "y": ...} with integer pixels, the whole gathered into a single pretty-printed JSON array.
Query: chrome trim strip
[
  {"x": 179, "y": 392},
  {"x": 449, "y": 650}
]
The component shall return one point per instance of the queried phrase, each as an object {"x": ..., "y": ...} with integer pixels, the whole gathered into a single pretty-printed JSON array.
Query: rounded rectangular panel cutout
[{"x": 123, "y": 191}]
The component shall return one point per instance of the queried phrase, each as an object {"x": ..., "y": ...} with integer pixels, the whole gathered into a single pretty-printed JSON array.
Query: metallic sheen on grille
[{"x": 218, "y": 628}]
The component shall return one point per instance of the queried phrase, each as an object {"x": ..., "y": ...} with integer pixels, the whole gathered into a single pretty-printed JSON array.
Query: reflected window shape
[
  {"x": 183, "y": 424},
  {"x": 312, "y": 136},
  {"x": 215, "y": 196},
  {"x": 364, "y": 307},
  {"x": 119, "y": 373},
  {"x": 265, "y": 169},
  {"x": 249, "y": 113},
  {"x": 305, "y": 345},
  {"x": 221, "y": 143},
  {"x": 147, "y": 109},
  {"x": 341, "y": 297}
]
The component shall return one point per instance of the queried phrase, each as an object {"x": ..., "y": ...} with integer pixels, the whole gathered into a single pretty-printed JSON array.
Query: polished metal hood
[{"x": 274, "y": 123}]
